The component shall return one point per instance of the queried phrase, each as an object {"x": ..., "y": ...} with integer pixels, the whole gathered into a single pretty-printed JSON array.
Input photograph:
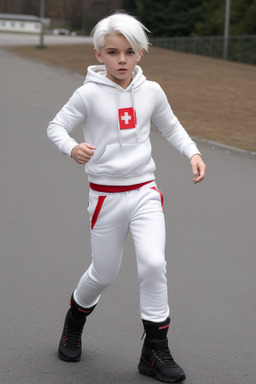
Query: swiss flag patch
[{"x": 127, "y": 118}]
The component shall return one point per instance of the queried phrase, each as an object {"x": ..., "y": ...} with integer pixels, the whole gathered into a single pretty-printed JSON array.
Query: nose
[{"x": 122, "y": 59}]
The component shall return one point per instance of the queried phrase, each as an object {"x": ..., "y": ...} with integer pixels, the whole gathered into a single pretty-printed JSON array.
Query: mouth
[{"x": 122, "y": 70}]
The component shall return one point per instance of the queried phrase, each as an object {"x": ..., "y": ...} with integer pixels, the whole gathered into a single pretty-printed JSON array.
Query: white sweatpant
[{"x": 112, "y": 216}]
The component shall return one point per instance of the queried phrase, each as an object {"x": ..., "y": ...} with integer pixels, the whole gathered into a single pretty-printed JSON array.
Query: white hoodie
[{"x": 117, "y": 122}]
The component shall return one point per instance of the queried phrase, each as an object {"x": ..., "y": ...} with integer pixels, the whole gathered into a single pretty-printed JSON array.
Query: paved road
[{"x": 45, "y": 248}]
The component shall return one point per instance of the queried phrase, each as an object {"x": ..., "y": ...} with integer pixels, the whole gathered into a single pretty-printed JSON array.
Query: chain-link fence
[{"x": 240, "y": 48}]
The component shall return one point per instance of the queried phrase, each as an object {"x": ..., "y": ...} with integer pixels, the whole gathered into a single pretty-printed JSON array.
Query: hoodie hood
[{"x": 98, "y": 74}]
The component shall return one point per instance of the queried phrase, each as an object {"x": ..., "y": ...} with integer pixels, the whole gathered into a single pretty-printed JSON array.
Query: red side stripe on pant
[
  {"x": 161, "y": 195},
  {"x": 97, "y": 210}
]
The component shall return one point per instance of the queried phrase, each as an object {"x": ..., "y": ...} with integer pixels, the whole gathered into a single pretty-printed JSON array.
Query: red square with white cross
[{"x": 127, "y": 118}]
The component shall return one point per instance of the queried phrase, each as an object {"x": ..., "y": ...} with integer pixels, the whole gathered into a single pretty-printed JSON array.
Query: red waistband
[{"x": 117, "y": 188}]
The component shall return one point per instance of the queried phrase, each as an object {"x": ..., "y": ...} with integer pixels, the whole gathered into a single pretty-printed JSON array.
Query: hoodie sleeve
[
  {"x": 70, "y": 116},
  {"x": 170, "y": 127}
]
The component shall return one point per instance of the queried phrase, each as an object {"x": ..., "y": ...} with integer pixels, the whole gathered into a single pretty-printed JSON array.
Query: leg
[
  {"x": 148, "y": 231},
  {"x": 108, "y": 238}
]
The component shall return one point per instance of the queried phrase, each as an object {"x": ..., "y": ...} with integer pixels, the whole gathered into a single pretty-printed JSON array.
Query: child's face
[{"x": 119, "y": 59}]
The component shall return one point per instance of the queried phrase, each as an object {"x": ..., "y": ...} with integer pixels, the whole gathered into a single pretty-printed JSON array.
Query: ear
[
  {"x": 98, "y": 55},
  {"x": 140, "y": 54}
]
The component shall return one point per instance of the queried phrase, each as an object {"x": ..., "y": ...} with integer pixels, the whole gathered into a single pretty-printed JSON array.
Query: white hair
[{"x": 121, "y": 23}]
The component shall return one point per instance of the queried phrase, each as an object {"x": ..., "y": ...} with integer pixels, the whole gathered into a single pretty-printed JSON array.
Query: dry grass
[{"x": 213, "y": 99}]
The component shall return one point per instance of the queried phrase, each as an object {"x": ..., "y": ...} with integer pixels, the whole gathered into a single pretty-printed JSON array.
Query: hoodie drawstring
[
  {"x": 117, "y": 117},
  {"x": 134, "y": 112}
]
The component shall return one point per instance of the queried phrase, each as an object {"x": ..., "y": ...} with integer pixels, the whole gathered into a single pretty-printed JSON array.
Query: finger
[
  {"x": 195, "y": 172},
  {"x": 200, "y": 175},
  {"x": 194, "y": 169},
  {"x": 85, "y": 157},
  {"x": 197, "y": 179},
  {"x": 90, "y": 146},
  {"x": 88, "y": 149}
]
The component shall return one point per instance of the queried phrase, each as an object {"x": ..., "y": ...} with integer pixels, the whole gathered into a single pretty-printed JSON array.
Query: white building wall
[{"x": 20, "y": 26}]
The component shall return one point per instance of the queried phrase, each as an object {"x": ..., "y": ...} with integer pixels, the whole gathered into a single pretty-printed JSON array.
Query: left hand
[{"x": 198, "y": 168}]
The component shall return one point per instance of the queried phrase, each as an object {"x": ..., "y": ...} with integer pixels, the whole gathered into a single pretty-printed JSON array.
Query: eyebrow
[{"x": 116, "y": 49}]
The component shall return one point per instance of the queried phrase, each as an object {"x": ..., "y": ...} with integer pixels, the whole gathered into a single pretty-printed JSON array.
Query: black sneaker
[
  {"x": 70, "y": 347},
  {"x": 157, "y": 361}
]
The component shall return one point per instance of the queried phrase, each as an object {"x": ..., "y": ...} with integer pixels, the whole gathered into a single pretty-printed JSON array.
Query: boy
[{"x": 116, "y": 105}]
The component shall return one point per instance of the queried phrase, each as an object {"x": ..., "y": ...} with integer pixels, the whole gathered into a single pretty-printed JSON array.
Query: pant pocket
[
  {"x": 161, "y": 196},
  {"x": 97, "y": 210}
]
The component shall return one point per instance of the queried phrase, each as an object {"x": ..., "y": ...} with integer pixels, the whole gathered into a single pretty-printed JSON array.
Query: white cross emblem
[{"x": 126, "y": 118}]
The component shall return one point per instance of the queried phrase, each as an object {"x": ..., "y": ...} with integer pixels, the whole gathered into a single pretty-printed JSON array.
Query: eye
[
  {"x": 131, "y": 52},
  {"x": 112, "y": 53}
]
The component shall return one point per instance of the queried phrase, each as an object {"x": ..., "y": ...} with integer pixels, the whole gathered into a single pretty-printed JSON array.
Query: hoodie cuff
[
  {"x": 68, "y": 146},
  {"x": 191, "y": 150}
]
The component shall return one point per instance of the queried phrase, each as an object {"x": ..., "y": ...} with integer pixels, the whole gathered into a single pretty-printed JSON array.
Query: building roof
[{"x": 11, "y": 16}]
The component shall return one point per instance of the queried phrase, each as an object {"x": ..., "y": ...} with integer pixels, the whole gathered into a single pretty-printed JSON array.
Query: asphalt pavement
[{"x": 45, "y": 247}]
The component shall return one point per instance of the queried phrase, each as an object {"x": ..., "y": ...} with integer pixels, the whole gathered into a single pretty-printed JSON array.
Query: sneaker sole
[
  {"x": 150, "y": 371},
  {"x": 68, "y": 359}
]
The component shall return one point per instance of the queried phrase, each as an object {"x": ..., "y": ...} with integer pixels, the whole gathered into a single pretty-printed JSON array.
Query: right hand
[{"x": 82, "y": 153}]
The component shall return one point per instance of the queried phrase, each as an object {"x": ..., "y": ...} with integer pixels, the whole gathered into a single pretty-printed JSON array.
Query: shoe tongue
[
  {"x": 160, "y": 344},
  {"x": 162, "y": 351}
]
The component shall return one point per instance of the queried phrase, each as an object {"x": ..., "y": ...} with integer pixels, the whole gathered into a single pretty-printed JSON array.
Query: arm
[
  {"x": 170, "y": 127},
  {"x": 60, "y": 128}
]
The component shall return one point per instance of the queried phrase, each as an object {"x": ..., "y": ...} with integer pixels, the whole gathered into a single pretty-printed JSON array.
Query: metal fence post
[
  {"x": 41, "y": 43},
  {"x": 226, "y": 30}
]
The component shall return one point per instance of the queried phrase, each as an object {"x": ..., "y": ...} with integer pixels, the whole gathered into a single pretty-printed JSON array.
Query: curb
[{"x": 227, "y": 148}]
